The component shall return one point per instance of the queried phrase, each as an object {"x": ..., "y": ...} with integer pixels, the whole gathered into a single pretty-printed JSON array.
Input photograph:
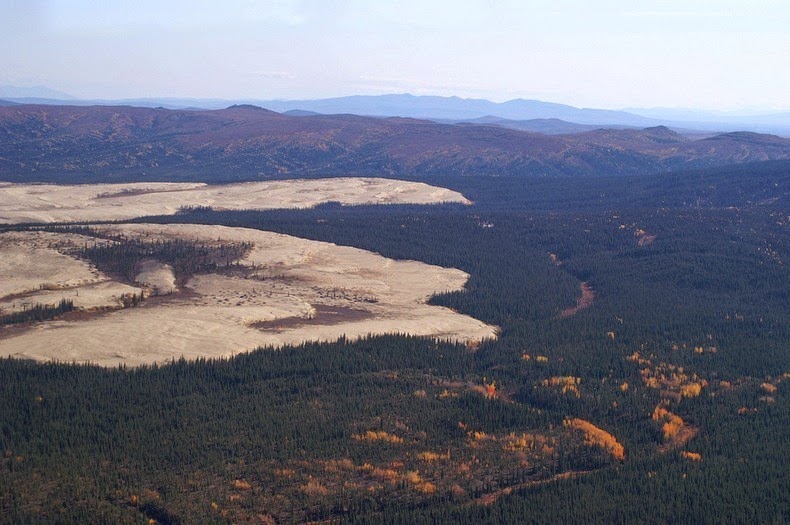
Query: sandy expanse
[
  {"x": 98, "y": 202},
  {"x": 97, "y": 296},
  {"x": 290, "y": 290},
  {"x": 30, "y": 261}
]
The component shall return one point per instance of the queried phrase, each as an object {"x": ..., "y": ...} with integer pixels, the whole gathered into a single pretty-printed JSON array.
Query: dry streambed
[{"x": 285, "y": 290}]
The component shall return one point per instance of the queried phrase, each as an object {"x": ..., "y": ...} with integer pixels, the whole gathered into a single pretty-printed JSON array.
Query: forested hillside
[{"x": 70, "y": 144}]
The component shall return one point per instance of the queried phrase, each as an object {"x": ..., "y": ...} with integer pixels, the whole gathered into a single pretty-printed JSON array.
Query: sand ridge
[{"x": 20, "y": 203}]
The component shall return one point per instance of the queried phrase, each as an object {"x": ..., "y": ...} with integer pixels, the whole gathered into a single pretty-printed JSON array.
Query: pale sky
[{"x": 709, "y": 54}]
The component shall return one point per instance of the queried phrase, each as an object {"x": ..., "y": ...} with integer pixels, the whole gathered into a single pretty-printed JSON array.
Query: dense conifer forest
[
  {"x": 123, "y": 255},
  {"x": 682, "y": 358}
]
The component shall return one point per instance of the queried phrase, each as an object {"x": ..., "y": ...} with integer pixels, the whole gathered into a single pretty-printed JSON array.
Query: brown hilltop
[{"x": 121, "y": 142}]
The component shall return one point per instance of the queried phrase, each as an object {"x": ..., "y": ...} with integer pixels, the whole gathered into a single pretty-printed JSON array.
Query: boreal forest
[{"x": 640, "y": 375}]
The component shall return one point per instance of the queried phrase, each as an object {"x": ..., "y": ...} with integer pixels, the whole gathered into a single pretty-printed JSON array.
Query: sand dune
[
  {"x": 100, "y": 202},
  {"x": 289, "y": 290}
]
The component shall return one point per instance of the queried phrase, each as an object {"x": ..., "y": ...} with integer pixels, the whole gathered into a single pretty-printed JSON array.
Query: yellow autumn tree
[
  {"x": 597, "y": 436},
  {"x": 672, "y": 422},
  {"x": 378, "y": 435},
  {"x": 691, "y": 456}
]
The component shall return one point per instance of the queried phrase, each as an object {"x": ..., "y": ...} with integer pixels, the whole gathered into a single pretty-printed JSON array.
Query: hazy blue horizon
[{"x": 696, "y": 54}]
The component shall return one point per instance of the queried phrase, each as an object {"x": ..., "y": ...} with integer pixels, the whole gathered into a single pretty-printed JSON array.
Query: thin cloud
[
  {"x": 415, "y": 86},
  {"x": 679, "y": 14},
  {"x": 274, "y": 75}
]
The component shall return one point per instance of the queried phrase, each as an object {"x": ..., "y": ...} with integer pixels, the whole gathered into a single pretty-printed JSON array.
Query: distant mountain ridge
[
  {"x": 433, "y": 107},
  {"x": 446, "y": 109},
  {"x": 548, "y": 126},
  {"x": 400, "y": 105},
  {"x": 243, "y": 142},
  {"x": 35, "y": 92}
]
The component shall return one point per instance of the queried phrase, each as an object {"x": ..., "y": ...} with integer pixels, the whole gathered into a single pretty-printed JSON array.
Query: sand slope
[
  {"x": 290, "y": 290},
  {"x": 31, "y": 261}
]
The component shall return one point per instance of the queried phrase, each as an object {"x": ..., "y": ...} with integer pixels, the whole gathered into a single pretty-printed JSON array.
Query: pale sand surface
[
  {"x": 318, "y": 291},
  {"x": 158, "y": 277},
  {"x": 30, "y": 261},
  {"x": 101, "y": 295},
  {"x": 98, "y": 202}
]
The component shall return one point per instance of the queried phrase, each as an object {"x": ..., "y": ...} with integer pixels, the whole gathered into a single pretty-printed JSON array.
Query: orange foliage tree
[{"x": 597, "y": 436}]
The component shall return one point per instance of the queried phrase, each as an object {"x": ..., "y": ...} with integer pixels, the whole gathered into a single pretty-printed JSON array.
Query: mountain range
[
  {"x": 104, "y": 143},
  {"x": 451, "y": 109}
]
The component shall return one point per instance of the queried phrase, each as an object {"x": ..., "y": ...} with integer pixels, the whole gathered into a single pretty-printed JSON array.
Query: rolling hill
[{"x": 111, "y": 143}]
